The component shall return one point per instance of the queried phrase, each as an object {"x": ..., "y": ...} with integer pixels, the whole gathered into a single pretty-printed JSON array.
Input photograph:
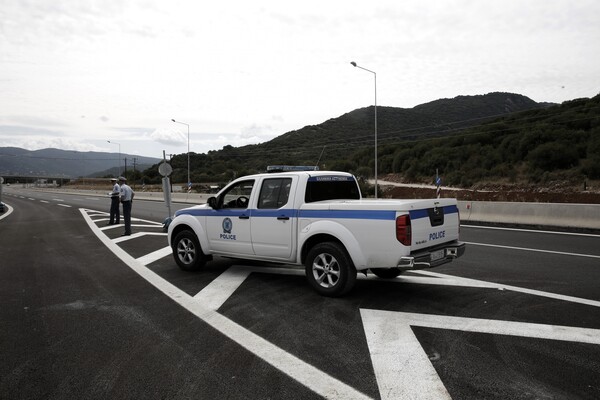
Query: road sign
[{"x": 165, "y": 169}]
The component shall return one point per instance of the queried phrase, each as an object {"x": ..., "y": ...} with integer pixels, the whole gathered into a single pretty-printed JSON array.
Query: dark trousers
[
  {"x": 115, "y": 218},
  {"x": 127, "y": 216}
]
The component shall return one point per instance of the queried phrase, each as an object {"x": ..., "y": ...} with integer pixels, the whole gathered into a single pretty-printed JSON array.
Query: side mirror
[{"x": 212, "y": 202}]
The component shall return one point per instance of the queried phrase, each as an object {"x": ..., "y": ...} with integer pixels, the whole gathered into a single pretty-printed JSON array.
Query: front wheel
[
  {"x": 330, "y": 270},
  {"x": 187, "y": 252}
]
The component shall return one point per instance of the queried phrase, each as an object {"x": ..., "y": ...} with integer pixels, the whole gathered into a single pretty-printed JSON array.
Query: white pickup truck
[{"x": 317, "y": 219}]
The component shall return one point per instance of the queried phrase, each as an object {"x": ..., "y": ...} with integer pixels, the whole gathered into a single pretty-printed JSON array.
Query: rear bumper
[{"x": 432, "y": 257}]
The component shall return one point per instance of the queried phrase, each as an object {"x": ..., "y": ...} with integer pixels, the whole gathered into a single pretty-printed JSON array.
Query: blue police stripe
[
  {"x": 291, "y": 213},
  {"x": 348, "y": 214}
]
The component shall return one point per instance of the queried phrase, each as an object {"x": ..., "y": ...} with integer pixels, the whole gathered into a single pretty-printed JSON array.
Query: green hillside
[{"x": 468, "y": 139}]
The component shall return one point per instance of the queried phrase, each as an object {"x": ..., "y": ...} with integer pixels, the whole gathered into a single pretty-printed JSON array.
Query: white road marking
[
  {"x": 153, "y": 226},
  {"x": 535, "y": 250},
  {"x": 6, "y": 213},
  {"x": 57, "y": 200},
  {"x": 155, "y": 255},
  {"x": 307, "y": 375},
  {"x": 135, "y": 235},
  {"x": 403, "y": 369},
  {"x": 219, "y": 290},
  {"x": 458, "y": 281},
  {"x": 44, "y": 201},
  {"x": 64, "y": 205}
]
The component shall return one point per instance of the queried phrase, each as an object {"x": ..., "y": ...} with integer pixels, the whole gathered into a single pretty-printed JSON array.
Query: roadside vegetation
[{"x": 553, "y": 145}]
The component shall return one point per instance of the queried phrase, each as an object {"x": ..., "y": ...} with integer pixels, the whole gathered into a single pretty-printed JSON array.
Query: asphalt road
[{"x": 86, "y": 314}]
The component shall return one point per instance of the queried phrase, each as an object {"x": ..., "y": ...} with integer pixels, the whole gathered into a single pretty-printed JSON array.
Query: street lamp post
[
  {"x": 375, "y": 76},
  {"x": 119, "y": 154},
  {"x": 188, "y": 151}
]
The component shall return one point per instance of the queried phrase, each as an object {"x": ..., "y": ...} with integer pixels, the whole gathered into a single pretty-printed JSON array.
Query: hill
[
  {"x": 346, "y": 142},
  {"x": 65, "y": 163}
]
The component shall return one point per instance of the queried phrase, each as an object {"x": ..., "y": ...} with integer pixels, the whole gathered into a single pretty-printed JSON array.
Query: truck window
[
  {"x": 274, "y": 193},
  {"x": 320, "y": 188},
  {"x": 236, "y": 196}
]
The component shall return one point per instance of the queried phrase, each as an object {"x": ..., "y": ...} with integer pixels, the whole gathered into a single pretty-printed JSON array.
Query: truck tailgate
[{"x": 434, "y": 222}]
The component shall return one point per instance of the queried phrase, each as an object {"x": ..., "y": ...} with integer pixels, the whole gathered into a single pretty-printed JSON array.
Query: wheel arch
[
  {"x": 322, "y": 231},
  {"x": 192, "y": 225}
]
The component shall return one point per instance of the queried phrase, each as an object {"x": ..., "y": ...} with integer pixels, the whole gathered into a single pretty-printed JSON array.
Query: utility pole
[{"x": 134, "y": 161}]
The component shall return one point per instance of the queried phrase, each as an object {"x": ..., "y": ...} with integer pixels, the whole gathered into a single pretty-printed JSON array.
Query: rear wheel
[
  {"x": 386, "y": 273},
  {"x": 187, "y": 252},
  {"x": 330, "y": 270}
]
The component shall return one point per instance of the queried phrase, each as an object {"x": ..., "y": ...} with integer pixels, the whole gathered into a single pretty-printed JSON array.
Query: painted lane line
[
  {"x": 57, "y": 200},
  {"x": 222, "y": 287},
  {"x": 6, "y": 213},
  {"x": 528, "y": 230},
  {"x": 452, "y": 280},
  {"x": 31, "y": 198},
  {"x": 64, "y": 205},
  {"x": 126, "y": 238},
  {"x": 133, "y": 235},
  {"x": 44, "y": 201},
  {"x": 304, "y": 373},
  {"x": 219, "y": 290},
  {"x": 113, "y": 226},
  {"x": 534, "y": 250},
  {"x": 153, "y": 226},
  {"x": 402, "y": 367},
  {"x": 155, "y": 256}
]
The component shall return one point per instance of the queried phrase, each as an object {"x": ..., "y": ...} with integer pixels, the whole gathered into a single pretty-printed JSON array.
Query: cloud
[
  {"x": 44, "y": 141},
  {"x": 35, "y": 120},
  {"x": 255, "y": 131},
  {"x": 169, "y": 136},
  {"x": 14, "y": 132}
]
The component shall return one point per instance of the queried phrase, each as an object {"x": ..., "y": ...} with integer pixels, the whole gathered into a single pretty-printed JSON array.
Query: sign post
[{"x": 165, "y": 170}]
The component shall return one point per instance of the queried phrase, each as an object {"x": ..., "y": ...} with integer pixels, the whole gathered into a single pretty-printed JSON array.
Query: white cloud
[{"x": 172, "y": 137}]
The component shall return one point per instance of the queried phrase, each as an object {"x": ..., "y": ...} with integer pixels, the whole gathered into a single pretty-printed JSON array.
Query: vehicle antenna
[{"x": 317, "y": 164}]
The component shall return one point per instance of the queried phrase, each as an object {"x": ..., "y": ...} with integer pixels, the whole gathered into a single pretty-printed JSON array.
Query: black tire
[
  {"x": 386, "y": 273},
  {"x": 329, "y": 269},
  {"x": 187, "y": 252}
]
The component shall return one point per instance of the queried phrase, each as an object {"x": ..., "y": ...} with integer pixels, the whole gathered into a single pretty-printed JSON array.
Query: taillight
[{"x": 403, "y": 231}]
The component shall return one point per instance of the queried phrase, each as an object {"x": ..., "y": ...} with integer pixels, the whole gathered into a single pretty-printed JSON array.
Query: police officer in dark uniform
[{"x": 114, "y": 203}]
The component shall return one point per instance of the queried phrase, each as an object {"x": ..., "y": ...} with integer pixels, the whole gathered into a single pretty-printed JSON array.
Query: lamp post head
[
  {"x": 173, "y": 120},
  {"x": 353, "y": 63}
]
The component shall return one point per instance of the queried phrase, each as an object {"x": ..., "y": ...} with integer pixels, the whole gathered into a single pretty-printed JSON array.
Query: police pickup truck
[{"x": 320, "y": 220}]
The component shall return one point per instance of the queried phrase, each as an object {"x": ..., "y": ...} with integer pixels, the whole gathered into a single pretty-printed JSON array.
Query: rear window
[{"x": 332, "y": 187}]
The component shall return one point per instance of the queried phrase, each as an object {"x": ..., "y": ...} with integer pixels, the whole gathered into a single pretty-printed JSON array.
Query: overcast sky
[{"x": 75, "y": 73}]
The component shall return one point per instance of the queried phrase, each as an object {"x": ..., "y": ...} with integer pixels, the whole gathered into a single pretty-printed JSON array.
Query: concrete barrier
[{"x": 565, "y": 215}]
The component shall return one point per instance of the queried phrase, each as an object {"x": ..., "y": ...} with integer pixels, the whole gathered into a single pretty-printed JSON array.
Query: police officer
[
  {"x": 126, "y": 199},
  {"x": 115, "y": 217}
]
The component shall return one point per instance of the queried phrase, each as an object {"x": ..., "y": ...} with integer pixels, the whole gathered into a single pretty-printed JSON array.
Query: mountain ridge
[{"x": 52, "y": 162}]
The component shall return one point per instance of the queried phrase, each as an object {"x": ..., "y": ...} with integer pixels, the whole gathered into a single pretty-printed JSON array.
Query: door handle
[
  {"x": 244, "y": 217},
  {"x": 283, "y": 218}
]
